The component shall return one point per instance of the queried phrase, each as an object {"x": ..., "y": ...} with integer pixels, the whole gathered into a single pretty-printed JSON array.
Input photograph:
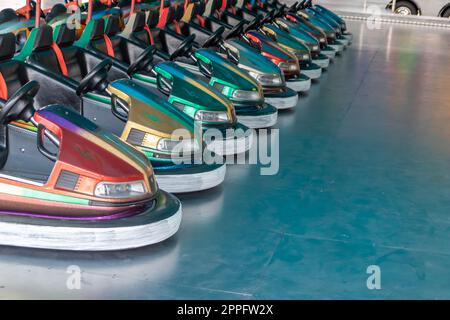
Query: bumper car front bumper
[
  {"x": 328, "y": 52},
  {"x": 338, "y": 46},
  {"x": 264, "y": 117},
  {"x": 348, "y": 36},
  {"x": 189, "y": 178},
  {"x": 300, "y": 84},
  {"x": 152, "y": 225},
  {"x": 239, "y": 142},
  {"x": 322, "y": 61},
  {"x": 311, "y": 70},
  {"x": 282, "y": 100}
]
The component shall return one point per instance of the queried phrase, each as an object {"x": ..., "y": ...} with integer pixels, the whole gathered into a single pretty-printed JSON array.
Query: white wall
[
  {"x": 15, "y": 4},
  {"x": 350, "y": 5},
  {"x": 341, "y": 4}
]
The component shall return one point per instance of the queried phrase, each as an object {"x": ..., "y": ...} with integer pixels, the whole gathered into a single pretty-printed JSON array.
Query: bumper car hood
[
  {"x": 271, "y": 47},
  {"x": 148, "y": 112},
  {"x": 188, "y": 87},
  {"x": 92, "y": 154},
  {"x": 285, "y": 39},
  {"x": 251, "y": 59},
  {"x": 227, "y": 71}
]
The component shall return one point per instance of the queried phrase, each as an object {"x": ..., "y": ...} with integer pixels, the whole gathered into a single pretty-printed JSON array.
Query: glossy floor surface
[{"x": 364, "y": 180}]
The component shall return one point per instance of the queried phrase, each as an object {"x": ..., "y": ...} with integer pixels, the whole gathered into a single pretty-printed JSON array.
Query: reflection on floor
[{"x": 364, "y": 180}]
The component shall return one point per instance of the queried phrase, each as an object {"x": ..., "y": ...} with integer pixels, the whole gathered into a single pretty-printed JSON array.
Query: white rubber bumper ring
[
  {"x": 282, "y": 103},
  {"x": 329, "y": 53},
  {"x": 255, "y": 122},
  {"x": 299, "y": 85},
  {"x": 337, "y": 47},
  {"x": 184, "y": 183},
  {"x": 86, "y": 236},
  {"x": 344, "y": 41},
  {"x": 313, "y": 74},
  {"x": 323, "y": 63},
  {"x": 232, "y": 145}
]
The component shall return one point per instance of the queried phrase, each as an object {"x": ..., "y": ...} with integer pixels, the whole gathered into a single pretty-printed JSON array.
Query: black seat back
[
  {"x": 7, "y": 15},
  {"x": 43, "y": 54},
  {"x": 199, "y": 8},
  {"x": 153, "y": 18},
  {"x": 111, "y": 30},
  {"x": 178, "y": 12},
  {"x": 138, "y": 31},
  {"x": 57, "y": 10},
  {"x": 74, "y": 57},
  {"x": 12, "y": 71},
  {"x": 159, "y": 40},
  {"x": 124, "y": 3},
  {"x": 171, "y": 16},
  {"x": 120, "y": 46}
]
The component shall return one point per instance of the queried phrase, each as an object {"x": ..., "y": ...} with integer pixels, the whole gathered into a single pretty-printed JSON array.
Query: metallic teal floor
[{"x": 364, "y": 180}]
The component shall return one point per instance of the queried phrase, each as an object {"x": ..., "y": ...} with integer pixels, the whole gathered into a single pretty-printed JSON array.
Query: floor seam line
[
  {"x": 364, "y": 242},
  {"x": 263, "y": 269},
  {"x": 366, "y": 72},
  {"x": 172, "y": 284}
]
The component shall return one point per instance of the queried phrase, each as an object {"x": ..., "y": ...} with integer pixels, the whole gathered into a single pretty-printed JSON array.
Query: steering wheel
[
  {"x": 183, "y": 48},
  {"x": 293, "y": 7},
  {"x": 282, "y": 10},
  {"x": 143, "y": 61},
  {"x": 276, "y": 14},
  {"x": 215, "y": 38},
  {"x": 236, "y": 31},
  {"x": 254, "y": 24},
  {"x": 20, "y": 105},
  {"x": 96, "y": 79},
  {"x": 269, "y": 17},
  {"x": 300, "y": 6}
]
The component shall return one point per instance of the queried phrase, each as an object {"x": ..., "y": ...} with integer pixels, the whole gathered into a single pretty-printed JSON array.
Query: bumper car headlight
[
  {"x": 120, "y": 190},
  {"x": 303, "y": 56},
  {"x": 211, "y": 116},
  {"x": 314, "y": 48},
  {"x": 322, "y": 40},
  {"x": 246, "y": 95},
  {"x": 187, "y": 145},
  {"x": 285, "y": 66},
  {"x": 267, "y": 80}
]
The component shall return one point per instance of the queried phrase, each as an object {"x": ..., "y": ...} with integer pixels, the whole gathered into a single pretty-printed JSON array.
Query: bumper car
[
  {"x": 246, "y": 57},
  {"x": 300, "y": 50},
  {"x": 270, "y": 49},
  {"x": 245, "y": 9},
  {"x": 332, "y": 18},
  {"x": 320, "y": 12},
  {"x": 185, "y": 91},
  {"x": 66, "y": 184},
  {"x": 314, "y": 31},
  {"x": 332, "y": 29},
  {"x": 298, "y": 33},
  {"x": 241, "y": 89},
  {"x": 318, "y": 28},
  {"x": 328, "y": 13},
  {"x": 72, "y": 78},
  {"x": 291, "y": 44},
  {"x": 287, "y": 62}
]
